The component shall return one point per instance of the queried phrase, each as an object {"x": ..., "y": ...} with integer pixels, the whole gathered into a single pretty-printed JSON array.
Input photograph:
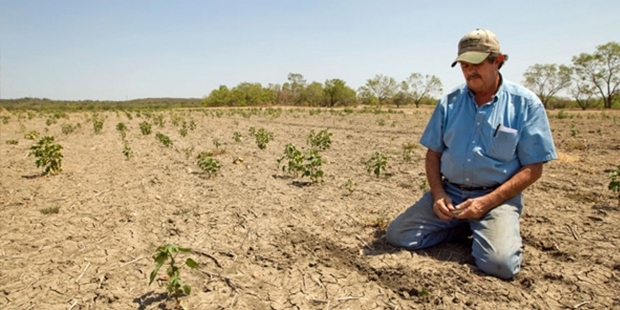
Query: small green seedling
[
  {"x": 47, "y": 155},
  {"x": 320, "y": 141},
  {"x": 262, "y": 137},
  {"x": 121, "y": 128},
  {"x": 165, "y": 140},
  {"x": 97, "y": 124},
  {"x": 237, "y": 136},
  {"x": 11, "y": 142},
  {"x": 307, "y": 164},
  {"x": 175, "y": 286},
  {"x": 145, "y": 128},
  {"x": 350, "y": 186},
  {"x": 614, "y": 184},
  {"x": 377, "y": 164},
  {"x": 573, "y": 130},
  {"x": 209, "y": 165}
]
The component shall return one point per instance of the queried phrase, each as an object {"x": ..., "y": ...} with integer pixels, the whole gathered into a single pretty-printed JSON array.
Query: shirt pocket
[{"x": 504, "y": 144}]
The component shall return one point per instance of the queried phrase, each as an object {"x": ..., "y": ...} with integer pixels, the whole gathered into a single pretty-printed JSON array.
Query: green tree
[
  {"x": 218, "y": 97},
  {"x": 296, "y": 85},
  {"x": 314, "y": 94},
  {"x": 422, "y": 86},
  {"x": 602, "y": 70},
  {"x": 337, "y": 93},
  {"x": 547, "y": 80},
  {"x": 381, "y": 87}
]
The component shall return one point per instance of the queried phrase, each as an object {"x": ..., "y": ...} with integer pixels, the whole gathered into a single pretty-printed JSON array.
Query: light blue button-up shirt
[{"x": 487, "y": 145}]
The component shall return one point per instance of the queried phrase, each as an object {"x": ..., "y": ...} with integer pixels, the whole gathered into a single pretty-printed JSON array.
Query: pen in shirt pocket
[{"x": 497, "y": 129}]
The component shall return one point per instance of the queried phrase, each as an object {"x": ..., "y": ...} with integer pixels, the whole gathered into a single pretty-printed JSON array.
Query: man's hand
[
  {"x": 473, "y": 208},
  {"x": 443, "y": 207}
]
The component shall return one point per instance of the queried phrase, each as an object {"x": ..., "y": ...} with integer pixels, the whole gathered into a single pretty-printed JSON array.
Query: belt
[{"x": 472, "y": 188}]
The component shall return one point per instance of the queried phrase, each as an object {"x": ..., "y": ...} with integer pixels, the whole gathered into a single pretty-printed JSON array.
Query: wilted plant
[
  {"x": 159, "y": 120},
  {"x": 67, "y": 128},
  {"x": 320, "y": 141},
  {"x": 217, "y": 143},
  {"x": 165, "y": 140},
  {"x": 32, "y": 135},
  {"x": 126, "y": 150},
  {"x": 377, "y": 164},
  {"x": 49, "y": 210},
  {"x": 47, "y": 155},
  {"x": 237, "y": 136},
  {"x": 174, "y": 286},
  {"x": 573, "y": 130},
  {"x": 350, "y": 185},
  {"x": 614, "y": 184},
  {"x": 145, "y": 128}
]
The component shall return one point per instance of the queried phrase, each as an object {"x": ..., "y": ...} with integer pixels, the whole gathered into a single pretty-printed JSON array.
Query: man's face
[{"x": 480, "y": 77}]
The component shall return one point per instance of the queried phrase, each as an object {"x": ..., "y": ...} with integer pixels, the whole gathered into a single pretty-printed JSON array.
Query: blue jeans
[{"x": 496, "y": 237}]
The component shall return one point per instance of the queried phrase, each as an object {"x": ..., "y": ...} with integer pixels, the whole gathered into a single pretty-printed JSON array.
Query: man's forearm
[
  {"x": 433, "y": 173},
  {"x": 525, "y": 177}
]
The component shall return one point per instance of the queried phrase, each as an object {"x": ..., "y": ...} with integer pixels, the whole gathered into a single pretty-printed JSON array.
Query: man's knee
[
  {"x": 502, "y": 265},
  {"x": 401, "y": 237}
]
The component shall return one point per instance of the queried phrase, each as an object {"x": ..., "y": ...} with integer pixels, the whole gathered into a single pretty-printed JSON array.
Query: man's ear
[{"x": 500, "y": 58}]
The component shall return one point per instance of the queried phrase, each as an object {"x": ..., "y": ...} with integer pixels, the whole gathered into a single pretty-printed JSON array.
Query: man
[{"x": 487, "y": 141}]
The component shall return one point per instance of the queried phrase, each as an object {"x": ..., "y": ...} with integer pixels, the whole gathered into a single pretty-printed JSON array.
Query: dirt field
[{"x": 265, "y": 240}]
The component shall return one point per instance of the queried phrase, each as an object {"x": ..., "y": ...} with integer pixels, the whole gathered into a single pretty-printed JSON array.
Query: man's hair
[{"x": 493, "y": 57}]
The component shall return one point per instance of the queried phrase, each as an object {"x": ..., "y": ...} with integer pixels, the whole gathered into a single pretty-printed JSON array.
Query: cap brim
[{"x": 471, "y": 57}]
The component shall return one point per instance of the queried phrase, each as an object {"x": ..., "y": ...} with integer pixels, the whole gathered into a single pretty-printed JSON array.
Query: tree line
[
  {"x": 592, "y": 79},
  {"x": 296, "y": 91}
]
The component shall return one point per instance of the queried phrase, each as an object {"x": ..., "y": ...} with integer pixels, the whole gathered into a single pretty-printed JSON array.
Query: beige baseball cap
[{"x": 476, "y": 46}]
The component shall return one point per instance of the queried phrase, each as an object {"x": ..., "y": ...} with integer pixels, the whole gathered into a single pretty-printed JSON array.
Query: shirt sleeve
[
  {"x": 536, "y": 142},
  {"x": 432, "y": 138}
]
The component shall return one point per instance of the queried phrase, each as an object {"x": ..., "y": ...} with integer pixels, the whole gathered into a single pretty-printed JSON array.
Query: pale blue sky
[{"x": 124, "y": 49}]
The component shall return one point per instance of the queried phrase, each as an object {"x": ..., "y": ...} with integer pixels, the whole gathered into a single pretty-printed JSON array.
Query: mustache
[{"x": 473, "y": 76}]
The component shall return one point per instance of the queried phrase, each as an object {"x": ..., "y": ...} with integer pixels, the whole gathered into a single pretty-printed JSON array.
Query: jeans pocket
[{"x": 504, "y": 145}]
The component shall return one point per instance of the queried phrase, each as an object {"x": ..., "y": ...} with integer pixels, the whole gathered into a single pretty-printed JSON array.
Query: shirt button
[
  {"x": 473, "y": 141},
  {"x": 478, "y": 123},
  {"x": 469, "y": 160},
  {"x": 467, "y": 179}
]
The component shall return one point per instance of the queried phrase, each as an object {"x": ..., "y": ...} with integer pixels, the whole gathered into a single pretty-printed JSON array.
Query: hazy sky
[{"x": 127, "y": 49}]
